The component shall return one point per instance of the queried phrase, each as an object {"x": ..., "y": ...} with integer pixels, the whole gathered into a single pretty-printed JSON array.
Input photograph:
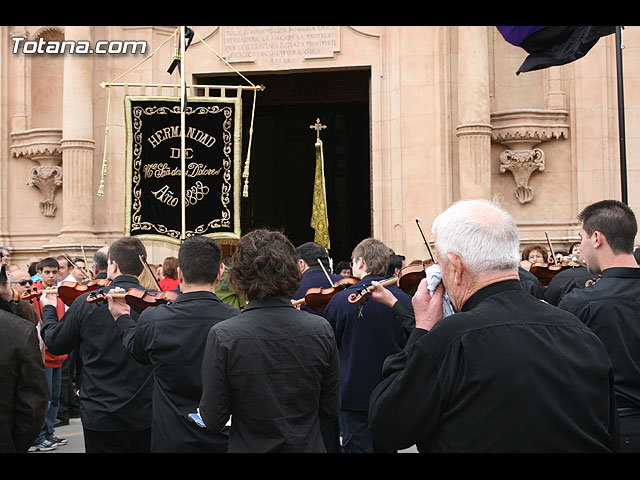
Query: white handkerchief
[{"x": 434, "y": 277}]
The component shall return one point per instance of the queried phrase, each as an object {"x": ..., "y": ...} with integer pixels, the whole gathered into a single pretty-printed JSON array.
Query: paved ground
[
  {"x": 73, "y": 434},
  {"x": 75, "y": 439}
]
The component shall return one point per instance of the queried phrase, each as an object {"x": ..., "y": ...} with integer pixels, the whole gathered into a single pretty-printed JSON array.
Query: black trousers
[{"x": 117, "y": 441}]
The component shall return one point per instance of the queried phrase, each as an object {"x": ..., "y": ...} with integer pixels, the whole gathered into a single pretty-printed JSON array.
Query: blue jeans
[
  {"x": 355, "y": 434},
  {"x": 54, "y": 379}
]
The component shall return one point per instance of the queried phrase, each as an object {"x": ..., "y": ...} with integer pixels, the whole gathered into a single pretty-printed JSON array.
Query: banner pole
[
  {"x": 182, "y": 131},
  {"x": 621, "y": 124}
]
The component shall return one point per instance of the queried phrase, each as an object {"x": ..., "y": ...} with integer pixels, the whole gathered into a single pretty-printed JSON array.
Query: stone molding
[{"x": 42, "y": 145}]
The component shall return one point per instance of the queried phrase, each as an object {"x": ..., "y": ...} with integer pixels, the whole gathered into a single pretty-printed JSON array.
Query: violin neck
[
  {"x": 298, "y": 302},
  {"x": 389, "y": 281}
]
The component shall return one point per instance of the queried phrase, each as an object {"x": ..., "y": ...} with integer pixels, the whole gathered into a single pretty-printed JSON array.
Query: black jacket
[
  {"x": 115, "y": 392},
  {"x": 565, "y": 281},
  {"x": 274, "y": 369},
  {"x": 171, "y": 338},
  {"x": 611, "y": 308},
  {"x": 24, "y": 392},
  {"x": 509, "y": 373}
]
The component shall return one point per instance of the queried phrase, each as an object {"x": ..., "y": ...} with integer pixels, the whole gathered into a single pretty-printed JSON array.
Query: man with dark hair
[
  {"x": 171, "y": 338},
  {"x": 366, "y": 334},
  {"x": 115, "y": 393},
  {"x": 272, "y": 368},
  {"x": 313, "y": 261},
  {"x": 611, "y": 305}
]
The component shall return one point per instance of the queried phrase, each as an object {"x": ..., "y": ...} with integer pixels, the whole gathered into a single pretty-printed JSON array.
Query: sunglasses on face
[{"x": 22, "y": 283}]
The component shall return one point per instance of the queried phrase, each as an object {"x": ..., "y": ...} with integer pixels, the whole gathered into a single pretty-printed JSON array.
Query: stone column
[
  {"x": 77, "y": 143},
  {"x": 474, "y": 113}
]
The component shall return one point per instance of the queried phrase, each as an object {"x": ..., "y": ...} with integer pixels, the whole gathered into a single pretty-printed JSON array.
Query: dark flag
[{"x": 549, "y": 46}]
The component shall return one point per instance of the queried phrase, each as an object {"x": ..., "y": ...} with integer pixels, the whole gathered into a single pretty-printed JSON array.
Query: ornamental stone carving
[
  {"x": 521, "y": 131},
  {"x": 41, "y": 145}
]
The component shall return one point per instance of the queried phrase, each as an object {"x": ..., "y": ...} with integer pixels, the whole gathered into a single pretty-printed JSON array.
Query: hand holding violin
[
  {"x": 117, "y": 306},
  {"x": 48, "y": 298},
  {"x": 427, "y": 308},
  {"x": 382, "y": 295}
]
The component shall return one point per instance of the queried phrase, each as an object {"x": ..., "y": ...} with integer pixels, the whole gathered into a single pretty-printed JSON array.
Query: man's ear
[
  {"x": 180, "y": 276},
  {"x": 458, "y": 267},
  {"x": 598, "y": 239}
]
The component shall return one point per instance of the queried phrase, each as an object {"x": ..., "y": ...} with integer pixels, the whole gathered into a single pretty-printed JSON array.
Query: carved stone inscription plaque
[{"x": 279, "y": 46}]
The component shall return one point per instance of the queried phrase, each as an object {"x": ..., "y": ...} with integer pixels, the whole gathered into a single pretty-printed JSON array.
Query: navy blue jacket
[{"x": 366, "y": 333}]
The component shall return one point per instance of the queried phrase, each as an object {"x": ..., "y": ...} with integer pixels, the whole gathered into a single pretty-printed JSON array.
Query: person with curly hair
[{"x": 273, "y": 369}]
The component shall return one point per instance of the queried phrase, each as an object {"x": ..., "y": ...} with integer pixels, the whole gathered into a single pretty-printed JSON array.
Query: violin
[
  {"x": 136, "y": 298},
  {"x": 360, "y": 296},
  {"x": 318, "y": 298},
  {"x": 545, "y": 272},
  {"x": 67, "y": 291},
  {"x": 410, "y": 276}
]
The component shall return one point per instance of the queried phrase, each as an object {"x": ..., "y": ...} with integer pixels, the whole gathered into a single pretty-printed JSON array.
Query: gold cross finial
[{"x": 318, "y": 126}]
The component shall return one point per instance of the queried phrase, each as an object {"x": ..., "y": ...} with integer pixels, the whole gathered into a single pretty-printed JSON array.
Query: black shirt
[
  {"x": 115, "y": 392},
  {"x": 172, "y": 338},
  {"x": 611, "y": 308},
  {"x": 509, "y": 373}
]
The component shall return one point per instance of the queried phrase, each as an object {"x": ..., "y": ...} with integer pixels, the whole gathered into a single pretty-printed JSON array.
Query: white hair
[{"x": 481, "y": 233}]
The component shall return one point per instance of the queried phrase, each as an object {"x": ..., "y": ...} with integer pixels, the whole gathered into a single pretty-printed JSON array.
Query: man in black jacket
[
  {"x": 171, "y": 338},
  {"x": 272, "y": 368},
  {"x": 506, "y": 372},
  {"x": 611, "y": 306},
  {"x": 115, "y": 391}
]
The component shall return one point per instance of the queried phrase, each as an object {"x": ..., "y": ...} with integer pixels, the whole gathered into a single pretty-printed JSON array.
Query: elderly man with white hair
[{"x": 505, "y": 372}]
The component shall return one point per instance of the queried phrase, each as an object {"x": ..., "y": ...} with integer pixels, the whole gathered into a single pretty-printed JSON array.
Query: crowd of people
[{"x": 481, "y": 357}]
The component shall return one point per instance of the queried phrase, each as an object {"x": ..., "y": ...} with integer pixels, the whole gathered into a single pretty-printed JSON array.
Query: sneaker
[
  {"x": 43, "y": 446},
  {"x": 56, "y": 441}
]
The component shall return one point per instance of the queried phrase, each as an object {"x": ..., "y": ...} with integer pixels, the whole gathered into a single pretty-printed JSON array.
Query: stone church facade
[{"x": 448, "y": 119}]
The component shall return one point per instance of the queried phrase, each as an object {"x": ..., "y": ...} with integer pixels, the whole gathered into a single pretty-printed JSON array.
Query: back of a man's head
[
  {"x": 615, "y": 220},
  {"x": 311, "y": 252},
  {"x": 126, "y": 253},
  {"x": 199, "y": 259},
  {"x": 481, "y": 233}
]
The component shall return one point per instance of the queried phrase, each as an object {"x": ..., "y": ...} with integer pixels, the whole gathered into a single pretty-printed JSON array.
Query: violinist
[
  {"x": 161, "y": 335},
  {"x": 567, "y": 280},
  {"x": 316, "y": 276},
  {"x": 610, "y": 307},
  {"x": 310, "y": 254},
  {"x": 115, "y": 393},
  {"x": 366, "y": 333},
  {"x": 534, "y": 254}
]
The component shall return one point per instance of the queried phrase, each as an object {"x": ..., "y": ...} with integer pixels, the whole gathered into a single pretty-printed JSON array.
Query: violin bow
[
  {"x": 425, "y": 241},
  {"x": 325, "y": 271},
  {"x": 72, "y": 263},
  {"x": 553, "y": 255},
  {"x": 153, "y": 275}
]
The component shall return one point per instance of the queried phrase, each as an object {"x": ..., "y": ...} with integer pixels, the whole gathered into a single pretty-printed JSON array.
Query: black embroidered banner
[{"x": 212, "y": 167}]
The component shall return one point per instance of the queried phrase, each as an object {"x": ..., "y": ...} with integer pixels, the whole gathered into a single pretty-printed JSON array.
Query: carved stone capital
[
  {"x": 520, "y": 131},
  {"x": 47, "y": 178},
  {"x": 41, "y": 145},
  {"x": 522, "y": 163}
]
